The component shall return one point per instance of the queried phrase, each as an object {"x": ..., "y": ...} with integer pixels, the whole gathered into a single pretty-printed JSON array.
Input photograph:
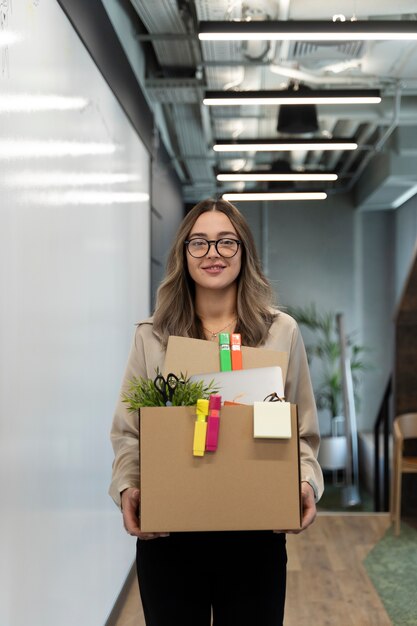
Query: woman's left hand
[{"x": 309, "y": 508}]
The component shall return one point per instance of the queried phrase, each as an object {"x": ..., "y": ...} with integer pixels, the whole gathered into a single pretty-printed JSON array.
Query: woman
[{"x": 214, "y": 283}]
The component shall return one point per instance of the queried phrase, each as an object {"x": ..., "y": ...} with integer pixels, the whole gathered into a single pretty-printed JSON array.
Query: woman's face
[{"x": 214, "y": 271}]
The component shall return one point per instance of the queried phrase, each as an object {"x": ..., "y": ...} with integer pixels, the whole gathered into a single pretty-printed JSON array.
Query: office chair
[{"x": 404, "y": 427}]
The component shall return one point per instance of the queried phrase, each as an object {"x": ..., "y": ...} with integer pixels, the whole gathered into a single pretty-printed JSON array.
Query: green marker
[{"x": 225, "y": 356}]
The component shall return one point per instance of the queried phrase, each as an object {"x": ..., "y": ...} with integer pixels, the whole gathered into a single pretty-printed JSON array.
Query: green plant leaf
[
  {"x": 141, "y": 392},
  {"x": 325, "y": 349}
]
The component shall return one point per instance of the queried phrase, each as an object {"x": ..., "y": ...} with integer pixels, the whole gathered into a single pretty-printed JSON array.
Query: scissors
[
  {"x": 274, "y": 397},
  {"x": 166, "y": 387}
]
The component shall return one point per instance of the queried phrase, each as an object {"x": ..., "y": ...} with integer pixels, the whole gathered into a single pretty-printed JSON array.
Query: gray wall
[
  {"x": 167, "y": 212},
  {"x": 404, "y": 236},
  {"x": 376, "y": 300}
]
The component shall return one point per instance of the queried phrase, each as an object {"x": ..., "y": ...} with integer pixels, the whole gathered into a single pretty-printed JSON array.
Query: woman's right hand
[{"x": 130, "y": 510}]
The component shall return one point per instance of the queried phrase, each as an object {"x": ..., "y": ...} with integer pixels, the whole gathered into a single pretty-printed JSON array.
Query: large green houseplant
[{"x": 324, "y": 352}]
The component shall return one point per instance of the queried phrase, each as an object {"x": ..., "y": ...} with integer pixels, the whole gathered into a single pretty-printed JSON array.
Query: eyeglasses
[{"x": 199, "y": 247}]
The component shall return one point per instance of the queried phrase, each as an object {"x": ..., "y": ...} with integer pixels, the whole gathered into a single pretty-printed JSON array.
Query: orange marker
[{"x": 236, "y": 346}]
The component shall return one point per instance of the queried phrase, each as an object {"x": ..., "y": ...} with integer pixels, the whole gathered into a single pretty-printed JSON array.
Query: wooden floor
[{"x": 327, "y": 583}]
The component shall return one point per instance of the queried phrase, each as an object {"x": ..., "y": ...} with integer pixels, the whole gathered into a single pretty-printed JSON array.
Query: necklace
[{"x": 215, "y": 333}]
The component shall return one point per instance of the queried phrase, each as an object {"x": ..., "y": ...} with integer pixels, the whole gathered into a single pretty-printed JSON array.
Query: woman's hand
[
  {"x": 130, "y": 510},
  {"x": 309, "y": 505},
  {"x": 309, "y": 509}
]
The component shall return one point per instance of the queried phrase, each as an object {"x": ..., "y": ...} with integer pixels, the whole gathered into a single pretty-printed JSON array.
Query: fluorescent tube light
[
  {"x": 269, "y": 177},
  {"x": 29, "y": 103},
  {"x": 246, "y": 197},
  {"x": 281, "y": 146},
  {"x": 308, "y": 30},
  {"x": 24, "y": 149},
  {"x": 313, "y": 96}
]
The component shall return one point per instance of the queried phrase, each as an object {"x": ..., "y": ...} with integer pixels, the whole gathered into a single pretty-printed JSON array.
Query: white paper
[{"x": 272, "y": 420}]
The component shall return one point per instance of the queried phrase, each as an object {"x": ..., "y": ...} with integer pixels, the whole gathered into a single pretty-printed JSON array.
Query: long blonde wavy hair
[{"x": 175, "y": 311}]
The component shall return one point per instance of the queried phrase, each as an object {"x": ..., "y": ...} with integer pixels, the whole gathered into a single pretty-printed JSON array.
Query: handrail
[{"x": 383, "y": 418}]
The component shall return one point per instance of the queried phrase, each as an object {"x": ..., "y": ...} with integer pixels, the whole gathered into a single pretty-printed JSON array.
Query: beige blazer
[{"x": 147, "y": 354}]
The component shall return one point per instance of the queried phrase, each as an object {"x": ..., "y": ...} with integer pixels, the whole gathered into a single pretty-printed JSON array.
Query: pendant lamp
[{"x": 297, "y": 120}]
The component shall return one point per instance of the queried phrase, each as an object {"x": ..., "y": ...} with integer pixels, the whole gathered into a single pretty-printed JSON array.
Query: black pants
[{"x": 241, "y": 575}]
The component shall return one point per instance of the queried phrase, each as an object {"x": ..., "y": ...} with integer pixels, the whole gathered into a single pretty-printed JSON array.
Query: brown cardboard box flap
[
  {"x": 197, "y": 356},
  {"x": 247, "y": 484}
]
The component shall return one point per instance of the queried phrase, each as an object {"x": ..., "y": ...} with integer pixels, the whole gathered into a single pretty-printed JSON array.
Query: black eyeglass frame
[{"x": 215, "y": 243}]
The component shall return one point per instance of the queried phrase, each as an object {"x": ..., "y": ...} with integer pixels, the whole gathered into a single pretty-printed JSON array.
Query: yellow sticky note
[{"x": 272, "y": 420}]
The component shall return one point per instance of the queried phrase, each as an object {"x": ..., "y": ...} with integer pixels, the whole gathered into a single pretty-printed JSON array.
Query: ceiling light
[
  {"x": 28, "y": 103},
  {"x": 246, "y": 197},
  {"x": 273, "y": 145},
  {"x": 39, "y": 180},
  {"x": 8, "y": 38},
  {"x": 308, "y": 30},
  {"x": 300, "y": 119},
  {"x": 314, "y": 96},
  {"x": 23, "y": 149},
  {"x": 270, "y": 177}
]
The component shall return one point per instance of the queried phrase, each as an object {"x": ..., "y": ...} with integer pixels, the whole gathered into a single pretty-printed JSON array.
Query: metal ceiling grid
[
  {"x": 235, "y": 128},
  {"x": 392, "y": 60},
  {"x": 219, "y": 77},
  {"x": 163, "y": 17},
  {"x": 160, "y": 17},
  {"x": 331, "y": 52},
  {"x": 175, "y": 90},
  {"x": 244, "y": 115},
  {"x": 218, "y": 9},
  {"x": 221, "y": 51},
  {"x": 370, "y": 9},
  {"x": 236, "y": 65},
  {"x": 191, "y": 141},
  {"x": 222, "y": 77}
]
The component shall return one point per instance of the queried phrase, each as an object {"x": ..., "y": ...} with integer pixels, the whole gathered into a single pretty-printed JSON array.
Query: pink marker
[{"x": 213, "y": 422}]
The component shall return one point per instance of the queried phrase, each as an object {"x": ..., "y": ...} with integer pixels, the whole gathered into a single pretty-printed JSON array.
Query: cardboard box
[
  {"x": 247, "y": 484},
  {"x": 196, "y": 356}
]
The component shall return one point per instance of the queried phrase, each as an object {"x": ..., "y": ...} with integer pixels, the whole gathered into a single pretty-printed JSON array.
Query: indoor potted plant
[{"x": 325, "y": 353}]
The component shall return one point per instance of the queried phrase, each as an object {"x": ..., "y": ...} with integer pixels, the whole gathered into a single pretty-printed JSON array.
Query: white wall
[{"x": 74, "y": 273}]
